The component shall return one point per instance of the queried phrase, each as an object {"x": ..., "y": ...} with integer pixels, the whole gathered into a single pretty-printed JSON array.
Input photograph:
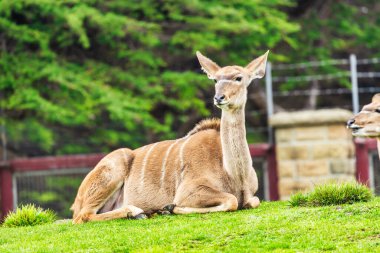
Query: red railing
[
  {"x": 269, "y": 153},
  {"x": 37, "y": 164},
  {"x": 363, "y": 147}
]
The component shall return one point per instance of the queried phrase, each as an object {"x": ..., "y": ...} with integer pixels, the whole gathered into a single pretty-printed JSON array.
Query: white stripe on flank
[
  {"x": 144, "y": 164},
  {"x": 163, "y": 168},
  {"x": 181, "y": 159},
  {"x": 181, "y": 151}
]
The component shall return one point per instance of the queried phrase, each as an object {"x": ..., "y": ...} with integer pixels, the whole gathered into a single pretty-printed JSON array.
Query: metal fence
[
  {"x": 348, "y": 68},
  {"x": 49, "y": 182},
  {"x": 49, "y": 189},
  {"x": 374, "y": 171},
  {"x": 348, "y": 84}
]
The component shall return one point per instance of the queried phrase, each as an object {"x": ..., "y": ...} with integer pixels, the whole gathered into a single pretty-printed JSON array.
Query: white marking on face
[
  {"x": 223, "y": 81},
  {"x": 144, "y": 163}
]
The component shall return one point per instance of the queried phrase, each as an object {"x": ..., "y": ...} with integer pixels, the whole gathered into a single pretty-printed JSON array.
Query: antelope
[
  {"x": 208, "y": 170},
  {"x": 367, "y": 122}
]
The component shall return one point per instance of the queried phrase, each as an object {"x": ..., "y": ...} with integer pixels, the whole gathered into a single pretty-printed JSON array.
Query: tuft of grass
[
  {"x": 29, "y": 215},
  {"x": 298, "y": 199},
  {"x": 333, "y": 194}
]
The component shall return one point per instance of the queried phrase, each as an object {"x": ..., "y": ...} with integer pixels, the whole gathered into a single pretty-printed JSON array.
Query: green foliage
[
  {"x": 90, "y": 76},
  {"x": 333, "y": 194},
  {"x": 29, "y": 215}
]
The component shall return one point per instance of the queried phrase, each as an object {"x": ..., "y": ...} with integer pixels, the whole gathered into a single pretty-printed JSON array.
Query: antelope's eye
[
  {"x": 377, "y": 110},
  {"x": 238, "y": 79}
]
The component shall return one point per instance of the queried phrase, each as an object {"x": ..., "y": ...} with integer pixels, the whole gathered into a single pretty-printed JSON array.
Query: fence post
[
  {"x": 354, "y": 84},
  {"x": 272, "y": 173},
  {"x": 362, "y": 162},
  {"x": 269, "y": 96},
  {"x": 6, "y": 194}
]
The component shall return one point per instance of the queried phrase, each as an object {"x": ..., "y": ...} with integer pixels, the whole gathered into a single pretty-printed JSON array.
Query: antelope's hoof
[
  {"x": 169, "y": 208},
  {"x": 164, "y": 212},
  {"x": 253, "y": 202},
  {"x": 141, "y": 216}
]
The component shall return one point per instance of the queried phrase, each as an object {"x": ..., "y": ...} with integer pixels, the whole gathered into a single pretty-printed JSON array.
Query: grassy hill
[{"x": 273, "y": 227}]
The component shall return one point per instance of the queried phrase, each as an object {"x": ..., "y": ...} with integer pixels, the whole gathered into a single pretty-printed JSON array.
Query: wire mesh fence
[
  {"x": 336, "y": 78},
  {"x": 336, "y": 83},
  {"x": 374, "y": 171},
  {"x": 49, "y": 189},
  {"x": 260, "y": 166}
]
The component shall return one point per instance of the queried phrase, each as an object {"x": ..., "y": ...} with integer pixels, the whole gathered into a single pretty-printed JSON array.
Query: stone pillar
[{"x": 312, "y": 147}]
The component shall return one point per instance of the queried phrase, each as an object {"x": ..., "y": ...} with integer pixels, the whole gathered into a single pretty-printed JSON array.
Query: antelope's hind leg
[
  {"x": 205, "y": 200},
  {"x": 101, "y": 185}
]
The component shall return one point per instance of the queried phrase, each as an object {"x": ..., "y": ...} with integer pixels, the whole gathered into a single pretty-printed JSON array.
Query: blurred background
[{"x": 81, "y": 77}]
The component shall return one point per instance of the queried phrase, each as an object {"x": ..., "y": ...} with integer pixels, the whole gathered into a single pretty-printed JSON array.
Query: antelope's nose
[
  {"x": 219, "y": 98},
  {"x": 350, "y": 122}
]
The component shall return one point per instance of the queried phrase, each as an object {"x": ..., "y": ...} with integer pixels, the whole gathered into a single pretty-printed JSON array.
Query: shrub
[
  {"x": 298, "y": 199},
  {"x": 333, "y": 194},
  {"x": 29, "y": 215}
]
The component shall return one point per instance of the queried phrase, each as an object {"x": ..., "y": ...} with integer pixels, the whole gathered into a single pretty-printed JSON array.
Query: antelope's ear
[
  {"x": 208, "y": 66},
  {"x": 376, "y": 98},
  {"x": 256, "y": 68}
]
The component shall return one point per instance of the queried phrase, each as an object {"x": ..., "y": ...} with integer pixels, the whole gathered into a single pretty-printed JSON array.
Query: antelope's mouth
[
  {"x": 221, "y": 104},
  {"x": 356, "y": 130},
  {"x": 365, "y": 131}
]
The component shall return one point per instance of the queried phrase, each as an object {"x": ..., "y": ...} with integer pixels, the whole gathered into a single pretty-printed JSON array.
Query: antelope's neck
[{"x": 237, "y": 160}]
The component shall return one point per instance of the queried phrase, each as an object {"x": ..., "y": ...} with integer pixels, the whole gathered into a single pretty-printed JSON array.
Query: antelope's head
[
  {"x": 367, "y": 122},
  {"x": 231, "y": 82}
]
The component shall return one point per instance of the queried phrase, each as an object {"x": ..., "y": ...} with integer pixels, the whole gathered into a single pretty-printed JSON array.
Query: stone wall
[{"x": 312, "y": 147}]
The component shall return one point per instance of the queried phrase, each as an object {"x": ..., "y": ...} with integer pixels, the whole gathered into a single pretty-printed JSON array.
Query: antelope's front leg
[
  {"x": 204, "y": 200},
  {"x": 252, "y": 202}
]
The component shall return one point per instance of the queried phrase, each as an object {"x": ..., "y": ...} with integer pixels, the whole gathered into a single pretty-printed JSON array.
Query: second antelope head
[
  {"x": 231, "y": 82},
  {"x": 367, "y": 122}
]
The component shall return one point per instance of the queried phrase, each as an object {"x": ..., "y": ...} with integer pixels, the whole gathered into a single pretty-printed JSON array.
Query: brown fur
[
  {"x": 208, "y": 170},
  {"x": 367, "y": 122}
]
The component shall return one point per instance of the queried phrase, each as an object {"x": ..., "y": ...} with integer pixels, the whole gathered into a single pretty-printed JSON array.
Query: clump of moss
[
  {"x": 29, "y": 215},
  {"x": 332, "y": 194}
]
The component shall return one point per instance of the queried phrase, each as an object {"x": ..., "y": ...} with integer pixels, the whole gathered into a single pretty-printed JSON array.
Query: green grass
[
  {"x": 274, "y": 226},
  {"x": 29, "y": 215},
  {"x": 333, "y": 194}
]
